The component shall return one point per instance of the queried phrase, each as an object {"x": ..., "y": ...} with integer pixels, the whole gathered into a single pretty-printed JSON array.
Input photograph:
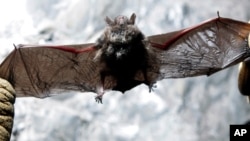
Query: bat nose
[{"x": 121, "y": 22}]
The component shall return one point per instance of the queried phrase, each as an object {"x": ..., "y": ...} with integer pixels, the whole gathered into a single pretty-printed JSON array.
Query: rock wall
[{"x": 191, "y": 109}]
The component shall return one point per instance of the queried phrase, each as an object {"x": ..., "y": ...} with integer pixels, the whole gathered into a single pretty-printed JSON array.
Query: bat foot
[
  {"x": 152, "y": 87},
  {"x": 98, "y": 98}
]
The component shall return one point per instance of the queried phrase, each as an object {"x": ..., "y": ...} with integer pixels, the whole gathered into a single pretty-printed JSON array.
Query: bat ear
[
  {"x": 109, "y": 21},
  {"x": 132, "y": 19}
]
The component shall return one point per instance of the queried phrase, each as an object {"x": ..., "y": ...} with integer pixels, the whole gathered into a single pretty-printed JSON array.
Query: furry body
[{"x": 122, "y": 53}]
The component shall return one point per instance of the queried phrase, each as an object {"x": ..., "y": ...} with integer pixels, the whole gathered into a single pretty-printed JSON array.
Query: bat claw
[{"x": 98, "y": 99}]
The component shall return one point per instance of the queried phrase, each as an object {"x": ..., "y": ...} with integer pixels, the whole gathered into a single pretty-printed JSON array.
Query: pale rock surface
[{"x": 192, "y": 109}]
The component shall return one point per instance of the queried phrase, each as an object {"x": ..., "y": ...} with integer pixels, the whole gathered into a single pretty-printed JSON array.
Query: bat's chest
[
  {"x": 124, "y": 55},
  {"x": 124, "y": 59},
  {"x": 119, "y": 53}
]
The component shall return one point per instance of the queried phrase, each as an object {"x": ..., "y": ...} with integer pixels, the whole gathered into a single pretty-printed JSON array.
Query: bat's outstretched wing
[
  {"x": 200, "y": 50},
  {"x": 44, "y": 70}
]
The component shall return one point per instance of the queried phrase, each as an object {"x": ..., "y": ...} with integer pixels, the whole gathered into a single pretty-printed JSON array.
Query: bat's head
[
  {"x": 121, "y": 30},
  {"x": 121, "y": 20}
]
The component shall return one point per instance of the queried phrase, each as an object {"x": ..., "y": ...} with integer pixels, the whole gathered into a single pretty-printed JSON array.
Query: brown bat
[{"x": 123, "y": 58}]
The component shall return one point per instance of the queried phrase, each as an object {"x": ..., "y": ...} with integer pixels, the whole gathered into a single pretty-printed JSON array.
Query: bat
[{"x": 123, "y": 57}]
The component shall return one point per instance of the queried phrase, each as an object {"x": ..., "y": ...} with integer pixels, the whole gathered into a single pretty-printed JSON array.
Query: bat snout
[{"x": 121, "y": 21}]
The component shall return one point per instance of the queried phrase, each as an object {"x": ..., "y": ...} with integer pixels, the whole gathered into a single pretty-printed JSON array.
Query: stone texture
[{"x": 191, "y": 109}]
